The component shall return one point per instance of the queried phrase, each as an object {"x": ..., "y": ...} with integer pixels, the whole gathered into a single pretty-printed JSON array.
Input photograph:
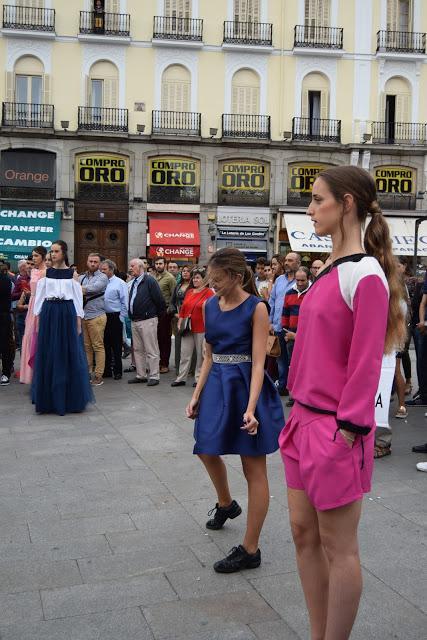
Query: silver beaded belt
[{"x": 232, "y": 358}]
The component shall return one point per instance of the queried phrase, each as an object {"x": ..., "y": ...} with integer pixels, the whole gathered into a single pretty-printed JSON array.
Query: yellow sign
[
  {"x": 245, "y": 175},
  {"x": 395, "y": 180},
  {"x": 174, "y": 172},
  {"x": 102, "y": 169},
  {"x": 301, "y": 176}
]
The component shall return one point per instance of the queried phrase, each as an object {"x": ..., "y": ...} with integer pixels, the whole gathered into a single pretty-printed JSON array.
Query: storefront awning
[
  {"x": 303, "y": 239},
  {"x": 174, "y": 239}
]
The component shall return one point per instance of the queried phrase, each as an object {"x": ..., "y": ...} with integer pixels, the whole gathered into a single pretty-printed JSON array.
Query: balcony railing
[
  {"x": 170, "y": 28},
  {"x": 255, "y": 33},
  {"x": 176, "y": 123},
  {"x": 316, "y": 129},
  {"x": 236, "y": 125},
  {"x": 102, "y": 119},
  {"x": 24, "y": 114},
  {"x": 318, "y": 37},
  {"x": 399, "y": 133},
  {"x": 105, "y": 24},
  {"x": 28, "y": 18},
  {"x": 401, "y": 42}
]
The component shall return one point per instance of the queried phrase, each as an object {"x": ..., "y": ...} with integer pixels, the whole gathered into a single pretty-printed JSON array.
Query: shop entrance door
[{"x": 108, "y": 239}]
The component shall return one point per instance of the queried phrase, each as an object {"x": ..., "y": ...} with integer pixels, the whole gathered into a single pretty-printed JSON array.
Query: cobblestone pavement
[{"x": 102, "y": 531}]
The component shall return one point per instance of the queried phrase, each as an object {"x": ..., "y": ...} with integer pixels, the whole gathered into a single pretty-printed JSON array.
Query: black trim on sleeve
[{"x": 354, "y": 428}]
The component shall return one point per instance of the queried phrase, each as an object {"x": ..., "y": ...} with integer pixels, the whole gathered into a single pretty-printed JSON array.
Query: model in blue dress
[{"x": 235, "y": 404}]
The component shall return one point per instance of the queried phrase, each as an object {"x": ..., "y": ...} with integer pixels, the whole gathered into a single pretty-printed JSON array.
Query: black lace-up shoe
[
  {"x": 238, "y": 559},
  {"x": 222, "y": 514}
]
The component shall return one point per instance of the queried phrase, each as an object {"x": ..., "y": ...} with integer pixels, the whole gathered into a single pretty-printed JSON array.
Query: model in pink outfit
[
  {"x": 29, "y": 339},
  {"x": 348, "y": 319}
]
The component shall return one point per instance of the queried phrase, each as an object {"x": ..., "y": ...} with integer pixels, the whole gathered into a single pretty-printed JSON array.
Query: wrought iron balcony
[
  {"x": 236, "y": 125},
  {"x": 170, "y": 28},
  {"x": 401, "y": 42},
  {"x": 399, "y": 133},
  {"x": 255, "y": 33},
  {"x": 24, "y": 115},
  {"x": 28, "y": 18},
  {"x": 318, "y": 37},
  {"x": 105, "y": 24},
  {"x": 176, "y": 123},
  {"x": 316, "y": 129},
  {"x": 102, "y": 119}
]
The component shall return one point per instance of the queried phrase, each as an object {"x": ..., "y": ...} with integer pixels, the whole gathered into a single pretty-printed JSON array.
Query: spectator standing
[
  {"x": 146, "y": 305},
  {"x": 116, "y": 301},
  {"x": 281, "y": 286},
  {"x": 6, "y": 343},
  {"x": 261, "y": 281},
  {"x": 173, "y": 269},
  {"x": 167, "y": 284},
  {"x": 316, "y": 268},
  {"x": 94, "y": 283},
  {"x": 22, "y": 284},
  {"x": 175, "y": 305},
  {"x": 30, "y": 336},
  {"x": 421, "y": 400},
  {"x": 192, "y": 339}
]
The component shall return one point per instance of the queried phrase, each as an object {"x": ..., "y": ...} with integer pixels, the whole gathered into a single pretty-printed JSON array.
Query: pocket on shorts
[{"x": 339, "y": 438}]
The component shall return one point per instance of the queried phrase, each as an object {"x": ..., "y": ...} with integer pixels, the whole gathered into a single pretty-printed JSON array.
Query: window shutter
[
  {"x": 324, "y": 104},
  {"x": 46, "y": 89},
  {"x": 176, "y": 95},
  {"x": 177, "y": 8},
  {"x": 305, "y": 110},
  {"x": 39, "y": 4},
  {"x": 382, "y": 116},
  {"x": 317, "y": 13},
  {"x": 246, "y": 10},
  {"x": 403, "y": 106},
  {"x": 112, "y": 6},
  {"x": 392, "y": 15},
  {"x": 110, "y": 93},
  {"x": 88, "y": 97},
  {"x": 10, "y": 86}
]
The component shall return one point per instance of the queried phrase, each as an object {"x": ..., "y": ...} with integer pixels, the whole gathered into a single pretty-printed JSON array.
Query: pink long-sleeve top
[{"x": 336, "y": 363}]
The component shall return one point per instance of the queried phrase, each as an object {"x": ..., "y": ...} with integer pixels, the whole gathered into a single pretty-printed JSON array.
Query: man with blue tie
[
  {"x": 146, "y": 304},
  {"x": 116, "y": 300}
]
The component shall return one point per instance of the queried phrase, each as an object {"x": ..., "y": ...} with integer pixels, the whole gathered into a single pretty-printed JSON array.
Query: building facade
[{"x": 176, "y": 127}]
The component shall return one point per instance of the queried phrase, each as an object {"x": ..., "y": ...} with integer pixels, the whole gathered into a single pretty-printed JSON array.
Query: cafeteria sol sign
[{"x": 102, "y": 169}]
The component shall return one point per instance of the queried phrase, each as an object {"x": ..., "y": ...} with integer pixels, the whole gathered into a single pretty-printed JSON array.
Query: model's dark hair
[
  {"x": 377, "y": 242},
  {"x": 64, "y": 249},
  {"x": 41, "y": 251},
  {"x": 233, "y": 262},
  {"x": 281, "y": 260}
]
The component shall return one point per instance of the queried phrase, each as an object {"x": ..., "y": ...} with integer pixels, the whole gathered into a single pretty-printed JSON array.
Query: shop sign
[
  {"x": 395, "y": 180},
  {"x": 301, "y": 177},
  {"x": 174, "y": 179},
  {"x": 244, "y": 182},
  {"x": 242, "y": 233},
  {"x": 245, "y": 218},
  {"x": 243, "y": 245},
  {"x": 170, "y": 252},
  {"x": 102, "y": 169},
  {"x": 29, "y": 169},
  {"x": 23, "y": 229}
]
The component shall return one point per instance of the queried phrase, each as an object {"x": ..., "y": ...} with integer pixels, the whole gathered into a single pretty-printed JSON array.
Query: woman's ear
[{"x": 348, "y": 201}]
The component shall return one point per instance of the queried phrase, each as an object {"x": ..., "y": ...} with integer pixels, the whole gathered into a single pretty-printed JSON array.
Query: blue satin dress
[{"x": 225, "y": 396}]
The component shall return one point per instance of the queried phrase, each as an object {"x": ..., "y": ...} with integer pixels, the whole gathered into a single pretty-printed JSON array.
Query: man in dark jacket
[
  {"x": 6, "y": 342},
  {"x": 146, "y": 304}
]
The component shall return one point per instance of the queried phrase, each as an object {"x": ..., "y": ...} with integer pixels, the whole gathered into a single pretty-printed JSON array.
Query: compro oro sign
[
  {"x": 244, "y": 182},
  {"x": 395, "y": 180},
  {"x": 23, "y": 229},
  {"x": 301, "y": 177},
  {"x": 102, "y": 169},
  {"x": 402, "y": 230},
  {"x": 173, "y": 179}
]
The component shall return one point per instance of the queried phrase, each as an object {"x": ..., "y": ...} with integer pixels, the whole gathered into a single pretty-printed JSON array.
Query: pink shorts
[{"x": 319, "y": 460}]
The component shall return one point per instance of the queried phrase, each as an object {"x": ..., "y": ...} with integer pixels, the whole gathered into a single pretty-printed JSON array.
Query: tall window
[
  {"x": 246, "y": 10},
  {"x": 315, "y": 97},
  {"x": 245, "y": 97},
  {"x": 38, "y": 4},
  {"x": 28, "y": 86},
  {"x": 317, "y": 13},
  {"x": 399, "y": 15},
  {"x": 112, "y": 6},
  {"x": 176, "y": 89},
  {"x": 102, "y": 86},
  {"x": 178, "y": 8}
]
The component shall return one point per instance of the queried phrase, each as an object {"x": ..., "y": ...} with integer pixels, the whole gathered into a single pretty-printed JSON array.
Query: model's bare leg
[
  {"x": 218, "y": 474},
  {"x": 255, "y": 470}
]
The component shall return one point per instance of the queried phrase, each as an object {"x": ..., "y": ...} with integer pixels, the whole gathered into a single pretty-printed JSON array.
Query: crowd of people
[{"x": 332, "y": 322}]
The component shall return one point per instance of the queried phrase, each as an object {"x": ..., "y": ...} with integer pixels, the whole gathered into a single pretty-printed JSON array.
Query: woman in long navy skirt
[
  {"x": 236, "y": 404},
  {"x": 61, "y": 382}
]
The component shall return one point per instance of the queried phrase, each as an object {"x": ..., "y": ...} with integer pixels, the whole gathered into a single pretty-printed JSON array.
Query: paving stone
[
  {"x": 20, "y": 607},
  {"x": 204, "y": 581},
  {"x": 61, "y": 550},
  {"x": 31, "y": 574},
  {"x": 221, "y": 631},
  {"x": 205, "y": 613},
  {"x": 158, "y": 525},
  {"x": 93, "y": 598},
  {"x": 133, "y": 563},
  {"x": 14, "y": 533},
  {"x": 52, "y": 531},
  {"x": 86, "y": 508},
  {"x": 111, "y": 625}
]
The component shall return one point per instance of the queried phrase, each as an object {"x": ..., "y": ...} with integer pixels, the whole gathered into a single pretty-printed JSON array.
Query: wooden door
[{"x": 108, "y": 239}]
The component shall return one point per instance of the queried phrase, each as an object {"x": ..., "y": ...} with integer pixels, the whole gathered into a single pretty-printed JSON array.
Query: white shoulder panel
[{"x": 351, "y": 273}]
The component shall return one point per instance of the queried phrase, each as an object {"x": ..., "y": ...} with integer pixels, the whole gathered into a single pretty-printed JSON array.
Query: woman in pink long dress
[{"x": 30, "y": 336}]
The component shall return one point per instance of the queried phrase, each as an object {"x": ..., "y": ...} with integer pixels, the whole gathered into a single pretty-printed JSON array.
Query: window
[
  {"x": 102, "y": 86},
  {"x": 178, "y": 8},
  {"x": 176, "y": 89},
  {"x": 317, "y": 13},
  {"x": 395, "y": 109},
  {"x": 245, "y": 92},
  {"x": 28, "y": 86},
  {"x": 112, "y": 6},
  {"x": 28, "y": 89},
  {"x": 399, "y": 15},
  {"x": 315, "y": 97},
  {"x": 38, "y": 4},
  {"x": 246, "y": 10}
]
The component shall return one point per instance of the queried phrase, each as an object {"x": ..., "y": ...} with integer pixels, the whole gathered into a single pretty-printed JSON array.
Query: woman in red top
[{"x": 192, "y": 307}]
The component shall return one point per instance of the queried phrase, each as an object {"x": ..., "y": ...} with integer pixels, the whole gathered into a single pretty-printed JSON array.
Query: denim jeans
[{"x": 282, "y": 361}]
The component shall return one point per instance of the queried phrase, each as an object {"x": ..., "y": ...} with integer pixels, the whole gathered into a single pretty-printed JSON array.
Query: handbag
[
  {"x": 273, "y": 347},
  {"x": 186, "y": 322}
]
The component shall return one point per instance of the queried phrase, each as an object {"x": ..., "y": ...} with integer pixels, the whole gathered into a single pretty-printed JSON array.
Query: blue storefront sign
[{"x": 22, "y": 229}]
